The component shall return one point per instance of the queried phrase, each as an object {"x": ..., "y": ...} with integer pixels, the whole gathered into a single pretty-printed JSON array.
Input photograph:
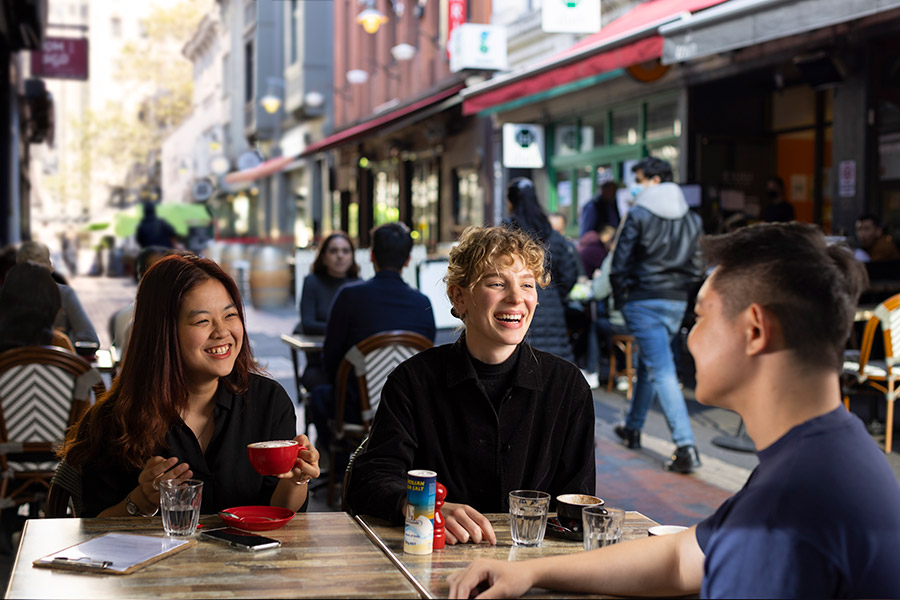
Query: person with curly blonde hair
[{"x": 488, "y": 413}]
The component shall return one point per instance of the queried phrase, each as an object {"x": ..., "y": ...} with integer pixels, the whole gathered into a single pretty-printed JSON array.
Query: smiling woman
[
  {"x": 186, "y": 404},
  {"x": 525, "y": 417}
]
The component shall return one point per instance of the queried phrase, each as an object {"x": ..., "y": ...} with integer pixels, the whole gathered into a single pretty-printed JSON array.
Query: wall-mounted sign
[
  {"x": 61, "y": 58},
  {"x": 523, "y": 146},
  {"x": 456, "y": 16},
  {"x": 477, "y": 46},
  {"x": 847, "y": 179},
  {"x": 570, "y": 16}
]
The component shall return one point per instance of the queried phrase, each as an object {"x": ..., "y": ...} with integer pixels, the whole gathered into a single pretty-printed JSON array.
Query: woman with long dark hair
[
  {"x": 334, "y": 267},
  {"x": 186, "y": 403},
  {"x": 548, "y": 329}
]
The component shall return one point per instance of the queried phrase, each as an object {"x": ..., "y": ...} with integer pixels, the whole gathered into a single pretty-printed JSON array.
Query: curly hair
[{"x": 484, "y": 249}]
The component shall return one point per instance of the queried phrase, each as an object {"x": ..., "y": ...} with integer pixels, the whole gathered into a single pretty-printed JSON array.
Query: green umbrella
[{"x": 180, "y": 215}]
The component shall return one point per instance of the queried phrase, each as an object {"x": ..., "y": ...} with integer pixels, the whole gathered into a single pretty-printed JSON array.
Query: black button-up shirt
[
  {"x": 264, "y": 412},
  {"x": 434, "y": 415}
]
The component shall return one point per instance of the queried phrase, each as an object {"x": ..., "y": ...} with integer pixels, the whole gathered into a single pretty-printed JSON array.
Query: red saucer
[{"x": 258, "y": 518}]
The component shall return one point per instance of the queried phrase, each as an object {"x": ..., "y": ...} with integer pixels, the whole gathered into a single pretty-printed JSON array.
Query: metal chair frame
[
  {"x": 865, "y": 376},
  {"x": 355, "y": 362}
]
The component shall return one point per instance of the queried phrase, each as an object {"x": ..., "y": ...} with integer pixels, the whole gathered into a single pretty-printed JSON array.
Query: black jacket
[
  {"x": 434, "y": 415},
  {"x": 656, "y": 254},
  {"x": 548, "y": 326}
]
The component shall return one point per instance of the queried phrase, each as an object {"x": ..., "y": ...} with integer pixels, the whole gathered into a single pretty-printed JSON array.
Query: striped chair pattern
[
  {"x": 43, "y": 390},
  {"x": 371, "y": 361}
]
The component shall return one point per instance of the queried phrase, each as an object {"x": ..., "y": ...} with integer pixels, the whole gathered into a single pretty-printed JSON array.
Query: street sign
[
  {"x": 61, "y": 58},
  {"x": 570, "y": 16}
]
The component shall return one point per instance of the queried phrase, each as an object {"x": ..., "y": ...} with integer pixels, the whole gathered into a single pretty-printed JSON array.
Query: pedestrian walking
[{"x": 655, "y": 265}]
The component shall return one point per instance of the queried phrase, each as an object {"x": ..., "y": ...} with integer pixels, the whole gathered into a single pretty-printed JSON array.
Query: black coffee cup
[{"x": 568, "y": 508}]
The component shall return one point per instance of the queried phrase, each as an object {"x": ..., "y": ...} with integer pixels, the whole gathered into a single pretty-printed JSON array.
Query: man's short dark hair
[
  {"x": 652, "y": 167},
  {"x": 391, "y": 245},
  {"x": 869, "y": 217},
  {"x": 811, "y": 287}
]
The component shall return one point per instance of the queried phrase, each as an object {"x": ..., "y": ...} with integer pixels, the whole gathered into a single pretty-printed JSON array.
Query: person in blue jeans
[{"x": 655, "y": 266}]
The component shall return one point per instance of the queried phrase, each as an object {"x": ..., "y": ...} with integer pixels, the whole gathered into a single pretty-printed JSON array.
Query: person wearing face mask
[
  {"x": 780, "y": 210},
  {"x": 655, "y": 265}
]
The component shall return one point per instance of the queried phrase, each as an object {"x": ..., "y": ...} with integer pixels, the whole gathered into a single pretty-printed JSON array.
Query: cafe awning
[
  {"x": 631, "y": 39},
  {"x": 742, "y": 23},
  {"x": 270, "y": 167},
  {"x": 409, "y": 114}
]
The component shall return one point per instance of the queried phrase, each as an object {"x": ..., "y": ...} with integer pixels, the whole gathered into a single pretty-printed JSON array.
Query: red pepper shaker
[{"x": 440, "y": 494}]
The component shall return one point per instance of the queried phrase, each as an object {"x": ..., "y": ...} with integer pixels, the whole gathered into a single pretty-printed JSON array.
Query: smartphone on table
[{"x": 241, "y": 539}]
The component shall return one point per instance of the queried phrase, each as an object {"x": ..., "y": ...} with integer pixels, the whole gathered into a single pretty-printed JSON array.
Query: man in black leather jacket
[{"x": 655, "y": 265}]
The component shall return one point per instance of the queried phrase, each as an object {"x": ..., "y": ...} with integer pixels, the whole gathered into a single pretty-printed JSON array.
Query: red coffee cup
[{"x": 274, "y": 457}]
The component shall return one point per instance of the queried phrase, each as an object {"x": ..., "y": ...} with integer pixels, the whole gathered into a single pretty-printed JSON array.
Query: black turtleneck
[{"x": 495, "y": 380}]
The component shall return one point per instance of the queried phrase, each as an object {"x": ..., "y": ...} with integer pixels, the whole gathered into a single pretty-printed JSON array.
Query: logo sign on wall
[
  {"x": 456, "y": 12},
  {"x": 61, "y": 58},
  {"x": 570, "y": 16},
  {"x": 477, "y": 46},
  {"x": 523, "y": 146}
]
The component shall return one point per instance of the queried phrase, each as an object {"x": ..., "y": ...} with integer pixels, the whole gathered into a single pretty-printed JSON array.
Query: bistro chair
[
  {"x": 861, "y": 374},
  {"x": 43, "y": 391},
  {"x": 370, "y": 361},
  {"x": 64, "y": 498}
]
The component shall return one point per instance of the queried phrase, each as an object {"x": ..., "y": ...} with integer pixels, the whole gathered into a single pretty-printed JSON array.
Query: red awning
[
  {"x": 631, "y": 39},
  {"x": 366, "y": 127},
  {"x": 270, "y": 167}
]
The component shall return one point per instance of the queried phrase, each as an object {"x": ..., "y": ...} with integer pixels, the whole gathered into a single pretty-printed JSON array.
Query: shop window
[
  {"x": 662, "y": 118},
  {"x": 425, "y": 203},
  {"x": 567, "y": 140},
  {"x": 596, "y": 125},
  {"x": 387, "y": 197},
  {"x": 625, "y": 124},
  {"x": 563, "y": 190},
  {"x": 470, "y": 210}
]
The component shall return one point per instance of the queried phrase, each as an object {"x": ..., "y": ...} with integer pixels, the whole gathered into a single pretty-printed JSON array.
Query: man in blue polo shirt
[{"x": 820, "y": 515}]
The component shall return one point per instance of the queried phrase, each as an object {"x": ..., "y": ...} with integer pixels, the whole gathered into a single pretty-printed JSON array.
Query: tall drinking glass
[
  {"x": 528, "y": 516},
  {"x": 179, "y": 504},
  {"x": 602, "y": 526}
]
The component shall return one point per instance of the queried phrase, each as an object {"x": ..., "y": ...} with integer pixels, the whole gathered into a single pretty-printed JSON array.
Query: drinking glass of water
[
  {"x": 602, "y": 526},
  {"x": 179, "y": 504},
  {"x": 528, "y": 516}
]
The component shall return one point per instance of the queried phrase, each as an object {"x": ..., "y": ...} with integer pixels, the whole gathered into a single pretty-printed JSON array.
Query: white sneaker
[{"x": 593, "y": 380}]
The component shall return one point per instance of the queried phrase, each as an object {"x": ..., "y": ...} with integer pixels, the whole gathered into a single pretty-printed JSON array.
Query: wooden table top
[
  {"x": 322, "y": 555},
  {"x": 430, "y": 571},
  {"x": 301, "y": 341}
]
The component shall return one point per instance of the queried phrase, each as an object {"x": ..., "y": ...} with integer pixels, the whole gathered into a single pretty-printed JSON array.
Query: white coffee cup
[{"x": 665, "y": 530}]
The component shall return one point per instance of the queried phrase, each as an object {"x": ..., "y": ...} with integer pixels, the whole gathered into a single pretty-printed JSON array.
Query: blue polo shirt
[{"x": 818, "y": 518}]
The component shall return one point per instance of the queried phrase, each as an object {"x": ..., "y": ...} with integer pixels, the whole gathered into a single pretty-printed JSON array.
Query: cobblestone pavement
[{"x": 627, "y": 478}]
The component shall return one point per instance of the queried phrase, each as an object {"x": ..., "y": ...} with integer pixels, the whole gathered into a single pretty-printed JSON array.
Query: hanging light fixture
[
  {"x": 371, "y": 18},
  {"x": 403, "y": 52}
]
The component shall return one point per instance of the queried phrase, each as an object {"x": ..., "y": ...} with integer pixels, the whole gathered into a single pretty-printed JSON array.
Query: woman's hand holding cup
[
  {"x": 295, "y": 459},
  {"x": 306, "y": 467}
]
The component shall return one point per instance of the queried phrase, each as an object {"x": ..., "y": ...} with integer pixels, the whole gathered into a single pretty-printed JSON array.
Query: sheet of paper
[{"x": 121, "y": 549}]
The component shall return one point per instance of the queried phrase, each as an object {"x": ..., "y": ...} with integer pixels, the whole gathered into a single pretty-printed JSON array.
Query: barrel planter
[{"x": 270, "y": 278}]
